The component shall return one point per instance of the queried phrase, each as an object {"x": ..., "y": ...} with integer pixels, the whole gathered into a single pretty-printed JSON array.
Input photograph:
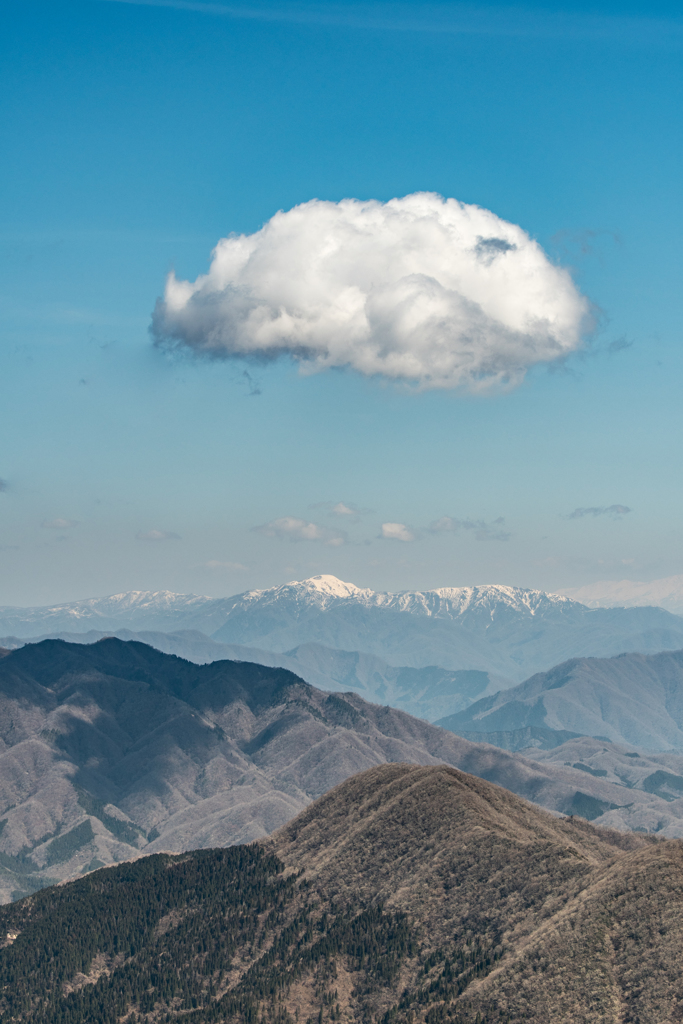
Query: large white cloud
[{"x": 420, "y": 289}]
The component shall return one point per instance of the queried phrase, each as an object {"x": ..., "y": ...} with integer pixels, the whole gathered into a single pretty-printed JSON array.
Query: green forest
[{"x": 210, "y": 936}]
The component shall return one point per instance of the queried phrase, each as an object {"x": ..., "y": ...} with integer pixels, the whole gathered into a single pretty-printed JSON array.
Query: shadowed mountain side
[
  {"x": 429, "y": 692},
  {"x": 406, "y": 895},
  {"x": 632, "y": 699},
  {"x": 110, "y": 749}
]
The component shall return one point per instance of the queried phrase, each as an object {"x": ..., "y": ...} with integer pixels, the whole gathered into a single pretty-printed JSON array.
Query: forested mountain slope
[{"x": 406, "y": 894}]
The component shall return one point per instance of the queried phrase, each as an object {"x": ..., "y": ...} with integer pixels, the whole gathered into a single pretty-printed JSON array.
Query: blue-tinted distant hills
[
  {"x": 632, "y": 699},
  {"x": 507, "y": 632}
]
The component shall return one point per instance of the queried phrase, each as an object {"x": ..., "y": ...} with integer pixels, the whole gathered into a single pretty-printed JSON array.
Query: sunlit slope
[{"x": 406, "y": 894}]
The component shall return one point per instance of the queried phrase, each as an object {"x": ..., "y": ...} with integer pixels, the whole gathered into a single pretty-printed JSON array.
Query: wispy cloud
[
  {"x": 156, "y": 535},
  {"x": 397, "y": 531},
  {"x": 3, "y": 485},
  {"x": 59, "y": 524},
  {"x": 252, "y": 384},
  {"x": 614, "y": 511},
  {"x": 482, "y": 530},
  {"x": 293, "y": 529},
  {"x": 459, "y": 19},
  {"x": 342, "y": 509},
  {"x": 618, "y": 345}
]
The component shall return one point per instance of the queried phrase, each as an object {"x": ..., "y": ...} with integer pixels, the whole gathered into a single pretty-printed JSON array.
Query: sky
[{"x": 407, "y": 391}]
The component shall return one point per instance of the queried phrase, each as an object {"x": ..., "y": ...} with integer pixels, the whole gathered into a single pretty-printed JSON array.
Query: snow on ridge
[
  {"x": 326, "y": 591},
  {"x": 319, "y": 590},
  {"x": 323, "y": 592},
  {"x": 92, "y": 607}
]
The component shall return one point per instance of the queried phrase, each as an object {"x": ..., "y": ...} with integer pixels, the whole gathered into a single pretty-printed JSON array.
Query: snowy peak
[
  {"x": 319, "y": 591},
  {"x": 325, "y": 592},
  {"x": 164, "y": 609},
  {"x": 509, "y": 632}
]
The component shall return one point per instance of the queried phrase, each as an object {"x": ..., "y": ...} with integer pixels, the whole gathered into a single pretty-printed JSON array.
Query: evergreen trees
[{"x": 166, "y": 933}]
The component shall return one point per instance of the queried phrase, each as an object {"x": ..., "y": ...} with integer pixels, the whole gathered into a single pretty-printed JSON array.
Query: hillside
[
  {"x": 406, "y": 894},
  {"x": 507, "y": 632},
  {"x": 115, "y": 749},
  {"x": 429, "y": 692},
  {"x": 633, "y": 699}
]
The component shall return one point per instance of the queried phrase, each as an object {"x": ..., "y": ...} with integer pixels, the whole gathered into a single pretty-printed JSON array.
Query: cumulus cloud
[
  {"x": 291, "y": 528},
  {"x": 397, "y": 531},
  {"x": 482, "y": 530},
  {"x": 58, "y": 524},
  {"x": 420, "y": 289},
  {"x": 156, "y": 535},
  {"x": 609, "y": 510}
]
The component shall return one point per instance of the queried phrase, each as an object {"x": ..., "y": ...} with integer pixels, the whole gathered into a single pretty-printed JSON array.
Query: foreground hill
[
  {"x": 632, "y": 699},
  {"x": 507, "y": 632},
  {"x": 406, "y": 894},
  {"x": 114, "y": 749}
]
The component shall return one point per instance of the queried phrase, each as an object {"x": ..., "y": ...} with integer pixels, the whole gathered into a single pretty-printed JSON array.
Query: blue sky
[{"x": 135, "y": 136}]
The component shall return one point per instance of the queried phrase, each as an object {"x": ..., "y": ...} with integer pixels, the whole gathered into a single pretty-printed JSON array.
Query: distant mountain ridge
[
  {"x": 632, "y": 699},
  {"x": 136, "y": 609},
  {"x": 113, "y": 749},
  {"x": 164, "y": 609},
  {"x": 666, "y": 593},
  {"x": 505, "y": 631},
  {"x": 430, "y": 692}
]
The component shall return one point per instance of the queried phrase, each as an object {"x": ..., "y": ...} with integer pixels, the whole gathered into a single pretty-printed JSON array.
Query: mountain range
[
  {"x": 113, "y": 749},
  {"x": 430, "y": 692},
  {"x": 666, "y": 593},
  {"x": 632, "y": 699},
  {"x": 506, "y": 632},
  {"x": 406, "y": 895}
]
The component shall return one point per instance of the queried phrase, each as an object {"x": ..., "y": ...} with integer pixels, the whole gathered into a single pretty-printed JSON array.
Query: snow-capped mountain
[
  {"x": 165, "y": 610},
  {"x": 667, "y": 593},
  {"x": 508, "y": 632},
  {"x": 326, "y": 592},
  {"x": 137, "y": 609}
]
